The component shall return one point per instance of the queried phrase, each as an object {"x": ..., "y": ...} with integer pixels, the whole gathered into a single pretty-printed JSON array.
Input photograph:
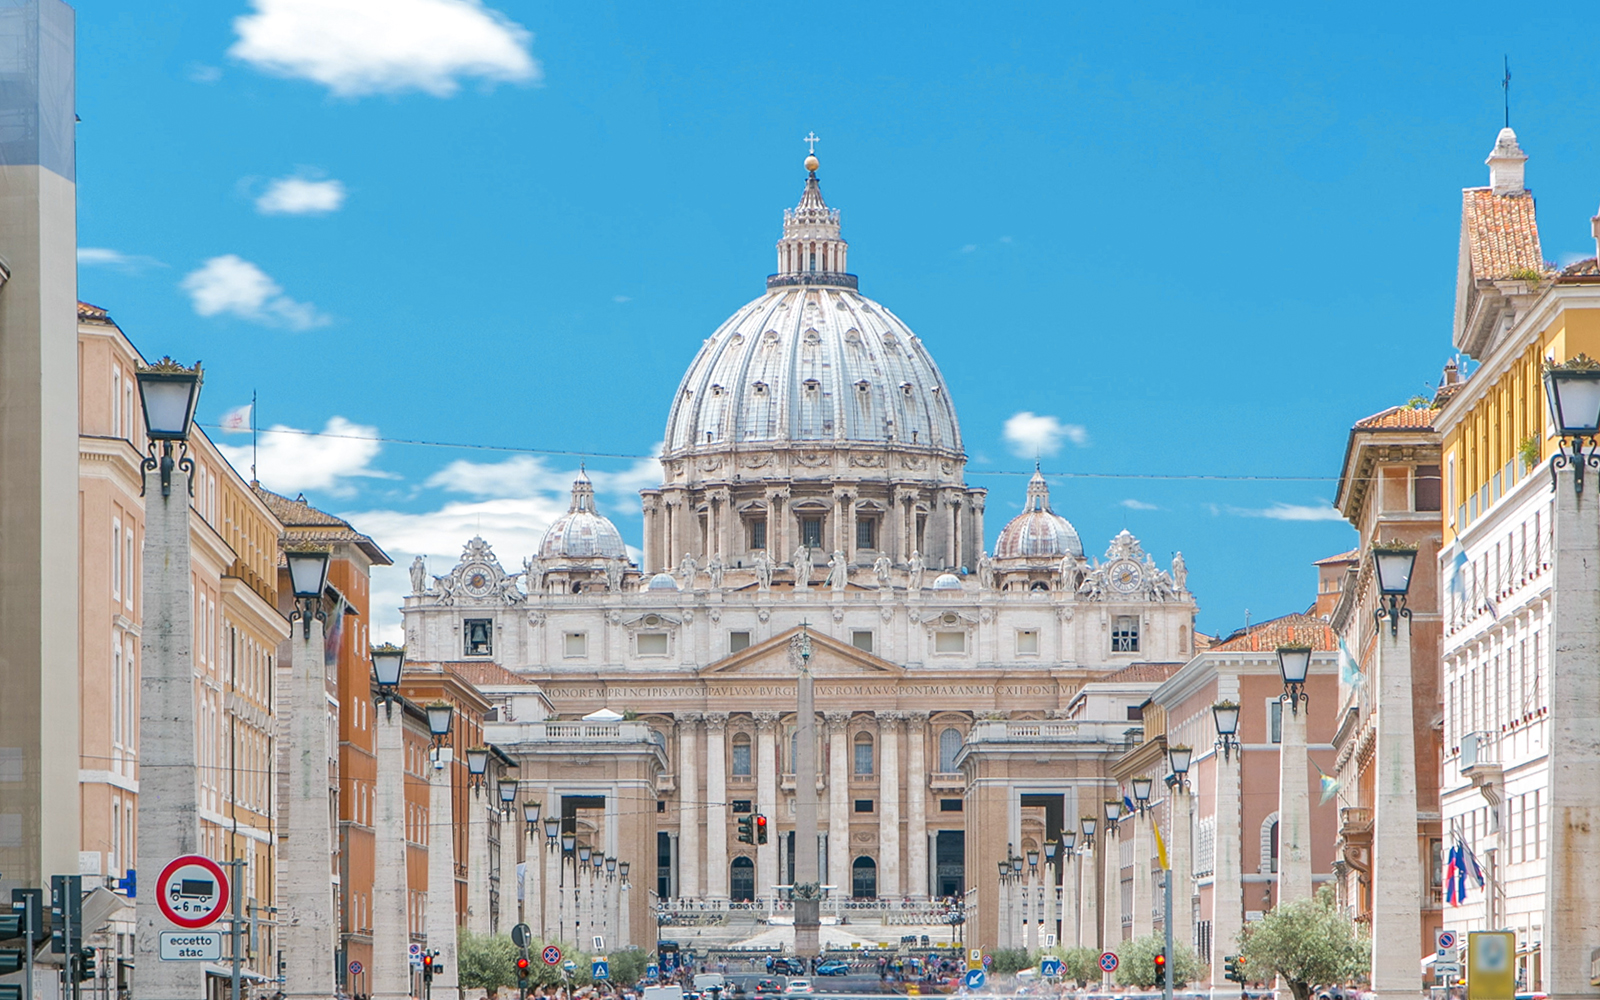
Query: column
[
  {"x": 441, "y": 922},
  {"x": 169, "y": 806},
  {"x": 896, "y": 529},
  {"x": 839, "y": 541},
  {"x": 550, "y": 901},
  {"x": 838, "y": 802},
  {"x": 1069, "y": 900},
  {"x": 767, "y": 801},
  {"x": 624, "y": 914},
  {"x": 956, "y": 532},
  {"x": 1089, "y": 897},
  {"x": 649, "y": 561},
  {"x": 716, "y": 880},
  {"x": 790, "y": 527},
  {"x": 950, "y": 557},
  {"x": 850, "y": 528},
  {"x": 1002, "y": 912},
  {"x": 1143, "y": 899},
  {"x": 478, "y": 864},
  {"x": 772, "y": 526},
  {"x": 889, "y": 804},
  {"x": 533, "y": 882},
  {"x": 1052, "y": 884},
  {"x": 1227, "y": 886},
  {"x": 1396, "y": 868},
  {"x": 391, "y": 966},
  {"x": 975, "y": 500},
  {"x": 690, "y": 817},
  {"x": 1111, "y": 898},
  {"x": 1180, "y": 842},
  {"x": 510, "y": 832},
  {"x": 1294, "y": 807},
  {"x": 917, "y": 803},
  {"x": 1030, "y": 916},
  {"x": 305, "y": 920}
]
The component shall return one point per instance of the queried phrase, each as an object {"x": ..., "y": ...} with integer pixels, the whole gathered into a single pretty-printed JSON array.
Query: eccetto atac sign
[{"x": 191, "y": 946}]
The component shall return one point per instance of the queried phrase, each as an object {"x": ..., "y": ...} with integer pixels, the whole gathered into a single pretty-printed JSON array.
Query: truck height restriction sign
[{"x": 192, "y": 891}]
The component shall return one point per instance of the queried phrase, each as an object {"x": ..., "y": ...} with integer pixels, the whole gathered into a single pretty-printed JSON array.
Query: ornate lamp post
[
  {"x": 1227, "y": 893},
  {"x": 1294, "y": 801},
  {"x": 477, "y": 768},
  {"x": 508, "y": 796},
  {"x": 388, "y": 660},
  {"x": 1573, "y": 391},
  {"x": 168, "y": 393},
  {"x": 1088, "y": 895},
  {"x": 1180, "y": 839},
  {"x": 391, "y": 966}
]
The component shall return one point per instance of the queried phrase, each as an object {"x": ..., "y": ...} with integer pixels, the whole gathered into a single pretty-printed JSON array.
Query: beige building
[{"x": 234, "y": 542}]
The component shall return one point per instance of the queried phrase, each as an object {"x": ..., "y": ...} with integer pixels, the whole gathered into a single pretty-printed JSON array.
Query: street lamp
[
  {"x": 1088, "y": 824},
  {"x": 611, "y": 866},
  {"x": 552, "y": 831},
  {"x": 1069, "y": 840},
  {"x": 168, "y": 393},
  {"x": 583, "y": 854},
  {"x": 308, "y": 576},
  {"x": 1178, "y": 758},
  {"x": 477, "y": 767},
  {"x": 567, "y": 840},
  {"x": 1392, "y": 563},
  {"x": 387, "y": 662},
  {"x": 596, "y": 860},
  {"x": 508, "y": 794},
  {"x": 1294, "y": 663},
  {"x": 1050, "y": 848},
  {"x": 1141, "y": 793},
  {"x": 530, "y": 816},
  {"x": 1033, "y": 860},
  {"x": 439, "y": 716},
  {"x": 622, "y": 871},
  {"x": 1573, "y": 391},
  {"x": 1225, "y": 714},
  {"x": 1113, "y": 814},
  {"x": 1016, "y": 866}
]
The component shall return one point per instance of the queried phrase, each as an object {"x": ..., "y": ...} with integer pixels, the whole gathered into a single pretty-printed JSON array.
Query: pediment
[{"x": 830, "y": 658}]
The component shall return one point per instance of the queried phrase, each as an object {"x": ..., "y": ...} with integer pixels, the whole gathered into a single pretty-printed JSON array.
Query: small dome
[
  {"x": 582, "y": 532},
  {"x": 947, "y": 581},
  {"x": 1038, "y": 533},
  {"x": 662, "y": 581}
]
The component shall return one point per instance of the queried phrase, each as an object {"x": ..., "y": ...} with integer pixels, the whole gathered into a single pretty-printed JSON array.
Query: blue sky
[{"x": 1185, "y": 240}]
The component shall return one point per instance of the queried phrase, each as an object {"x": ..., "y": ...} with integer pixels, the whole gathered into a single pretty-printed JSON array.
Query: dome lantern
[
  {"x": 582, "y": 532},
  {"x": 1038, "y": 534}
]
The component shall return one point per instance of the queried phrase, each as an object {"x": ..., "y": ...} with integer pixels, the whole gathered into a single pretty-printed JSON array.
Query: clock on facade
[
  {"x": 479, "y": 581},
  {"x": 1125, "y": 576}
]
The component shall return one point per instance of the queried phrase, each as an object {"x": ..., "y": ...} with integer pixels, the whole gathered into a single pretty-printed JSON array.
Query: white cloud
[
  {"x": 361, "y": 47},
  {"x": 290, "y": 460},
  {"x": 969, "y": 248},
  {"x": 230, "y": 284},
  {"x": 621, "y": 298},
  {"x": 106, "y": 257},
  {"x": 523, "y": 475},
  {"x": 1291, "y": 512},
  {"x": 1031, "y": 435},
  {"x": 201, "y": 73},
  {"x": 301, "y": 196},
  {"x": 1132, "y": 504}
]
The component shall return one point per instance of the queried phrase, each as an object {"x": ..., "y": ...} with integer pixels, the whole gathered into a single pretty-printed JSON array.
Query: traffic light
[
  {"x": 747, "y": 831},
  {"x": 1233, "y": 968},
  {"x": 85, "y": 964},
  {"x": 761, "y": 828},
  {"x": 523, "y": 969},
  {"x": 427, "y": 966},
  {"x": 1161, "y": 969},
  {"x": 11, "y": 929}
]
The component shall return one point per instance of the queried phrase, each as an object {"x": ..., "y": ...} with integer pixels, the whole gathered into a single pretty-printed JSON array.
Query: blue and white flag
[{"x": 1350, "y": 674}]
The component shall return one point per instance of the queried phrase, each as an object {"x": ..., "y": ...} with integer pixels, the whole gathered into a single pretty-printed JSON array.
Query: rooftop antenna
[
  {"x": 1505, "y": 86},
  {"x": 253, "y": 436}
]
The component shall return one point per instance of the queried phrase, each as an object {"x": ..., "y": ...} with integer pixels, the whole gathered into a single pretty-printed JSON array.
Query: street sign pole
[
  {"x": 28, "y": 944},
  {"x": 1172, "y": 967},
  {"x": 235, "y": 867}
]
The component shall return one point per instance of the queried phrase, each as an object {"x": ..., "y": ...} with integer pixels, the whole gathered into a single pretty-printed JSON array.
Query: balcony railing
[{"x": 1054, "y": 731}]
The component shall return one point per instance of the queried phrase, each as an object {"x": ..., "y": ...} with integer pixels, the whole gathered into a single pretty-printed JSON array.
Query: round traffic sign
[
  {"x": 975, "y": 979},
  {"x": 1447, "y": 940},
  {"x": 192, "y": 891},
  {"x": 551, "y": 955},
  {"x": 355, "y": 968},
  {"x": 1108, "y": 961},
  {"x": 521, "y": 935}
]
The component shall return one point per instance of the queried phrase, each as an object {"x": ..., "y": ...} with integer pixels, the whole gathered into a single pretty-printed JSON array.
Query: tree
[
  {"x": 1137, "y": 962},
  {"x": 1010, "y": 961},
  {"x": 1081, "y": 964},
  {"x": 1307, "y": 943},
  {"x": 627, "y": 966},
  {"x": 485, "y": 962}
]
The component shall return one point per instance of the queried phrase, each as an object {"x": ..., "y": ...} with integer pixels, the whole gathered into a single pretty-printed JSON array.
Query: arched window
[
  {"x": 741, "y": 755},
  {"x": 794, "y": 752},
  {"x": 742, "y": 880},
  {"x": 863, "y": 753},
  {"x": 864, "y": 878},
  {"x": 949, "y": 746},
  {"x": 1274, "y": 847}
]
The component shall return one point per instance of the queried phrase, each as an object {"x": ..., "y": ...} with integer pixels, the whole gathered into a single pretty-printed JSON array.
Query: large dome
[
  {"x": 582, "y": 532},
  {"x": 813, "y": 361},
  {"x": 1038, "y": 533}
]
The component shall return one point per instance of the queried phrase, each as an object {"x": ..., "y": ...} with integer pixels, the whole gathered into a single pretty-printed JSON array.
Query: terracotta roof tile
[
  {"x": 1290, "y": 630},
  {"x": 1398, "y": 418},
  {"x": 1581, "y": 268},
  {"x": 92, "y": 313},
  {"x": 1141, "y": 673},
  {"x": 317, "y": 526},
  {"x": 1501, "y": 232},
  {"x": 1343, "y": 557},
  {"x": 485, "y": 674}
]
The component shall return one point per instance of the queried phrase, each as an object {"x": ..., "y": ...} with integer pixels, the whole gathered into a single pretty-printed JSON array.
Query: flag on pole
[
  {"x": 1330, "y": 788},
  {"x": 1349, "y": 670},
  {"x": 1452, "y": 877},
  {"x": 1471, "y": 866},
  {"x": 237, "y": 420},
  {"x": 1161, "y": 847}
]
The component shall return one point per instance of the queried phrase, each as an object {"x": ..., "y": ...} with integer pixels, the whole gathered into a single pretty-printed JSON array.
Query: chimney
[
  {"x": 1452, "y": 374},
  {"x": 1594, "y": 228},
  {"x": 1506, "y": 163}
]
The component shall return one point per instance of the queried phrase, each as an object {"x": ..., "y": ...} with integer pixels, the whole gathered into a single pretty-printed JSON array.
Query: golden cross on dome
[{"x": 811, "y": 142}]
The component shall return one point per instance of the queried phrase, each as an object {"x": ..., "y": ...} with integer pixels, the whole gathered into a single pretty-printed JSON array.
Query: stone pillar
[
  {"x": 1052, "y": 885},
  {"x": 1180, "y": 845},
  {"x": 850, "y": 528},
  {"x": 838, "y": 802},
  {"x": 1069, "y": 901},
  {"x": 1572, "y": 915},
  {"x": 690, "y": 816},
  {"x": 1089, "y": 898},
  {"x": 896, "y": 528},
  {"x": 306, "y": 867},
  {"x": 1396, "y": 868},
  {"x": 917, "y": 803},
  {"x": 716, "y": 870},
  {"x": 649, "y": 561},
  {"x": 1030, "y": 915},
  {"x": 772, "y": 526},
  {"x": 767, "y": 801},
  {"x": 1294, "y": 807},
  {"x": 839, "y": 541},
  {"x": 1111, "y": 899},
  {"x": 624, "y": 914},
  {"x": 975, "y": 501},
  {"x": 478, "y": 864},
  {"x": 1227, "y": 884},
  {"x": 950, "y": 557},
  {"x": 1143, "y": 900},
  {"x": 502, "y": 918},
  {"x": 889, "y": 803},
  {"x": 441, "y": 923},
  {"x": 956, "y": 532},
  {"x": 391, "y": 966},
  {"x": 1003, "y": 923},
  {"x": 533, "y": 882},
  {"x": 169, "y": 805}
]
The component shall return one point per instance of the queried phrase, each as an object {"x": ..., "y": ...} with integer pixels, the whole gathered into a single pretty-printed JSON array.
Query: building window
[
  {"x": 577, "y": 644},
  {"x": 863, "y": 759},
  {"x": 738, "y": 641},
  {"x": 652, "y": 643},
  {"x": 1125, "y": 634},
  {"x": 811, "y": 532},
  {"x": 1275, "y": 714},
  {"x": 661, "y": 805},
  {"x": 478, "y": 633},
  {"x": 742, "y": 805},
  {"x": 867, "y": 533},
  {"x": 864, "y": 878},
  {"x": 1027, "y": 642},
  {"x": 861, "y": 639},
  {"x": 863, "y": 805},
  {"x": 949, "y": 747},
  {"x": 950, "y": 805},
  {"x": 1425, "y": 488},
  {"x": 116, "y": 559},
  {"x": 949, "y": 642},
  {"x": 741, "y": 758},
  {"x": 1135, "y": 713},
  {"x": 758, "y": 534}
]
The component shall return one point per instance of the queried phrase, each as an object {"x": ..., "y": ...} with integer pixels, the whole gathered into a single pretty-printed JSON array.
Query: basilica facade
[{"x": 812, "y": 483}]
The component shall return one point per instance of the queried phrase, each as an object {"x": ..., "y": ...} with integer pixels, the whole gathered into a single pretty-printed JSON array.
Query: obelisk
[{"x": 807, "y": 884}]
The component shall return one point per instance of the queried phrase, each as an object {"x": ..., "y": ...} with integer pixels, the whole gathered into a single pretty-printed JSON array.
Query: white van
[{"x": 663, "y": 993}]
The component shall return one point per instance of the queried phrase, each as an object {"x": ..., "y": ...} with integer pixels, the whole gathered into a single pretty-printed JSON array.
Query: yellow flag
[{"x": 1161, "y": 847}]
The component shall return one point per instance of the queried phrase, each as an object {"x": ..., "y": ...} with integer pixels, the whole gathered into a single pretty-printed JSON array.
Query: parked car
[
  {"x": 789, "y": 966},
  {"x": 833, "y": 967},
  {"x": 768, "y": 987},
  {"x": 798, "y": 986}
]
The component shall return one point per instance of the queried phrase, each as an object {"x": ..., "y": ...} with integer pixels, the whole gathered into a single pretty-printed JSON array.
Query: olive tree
[
  {"x": 1137, "y": 962},
  {"x": 1307, "y": 943},
  {"x": 485, "y": 962}
]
